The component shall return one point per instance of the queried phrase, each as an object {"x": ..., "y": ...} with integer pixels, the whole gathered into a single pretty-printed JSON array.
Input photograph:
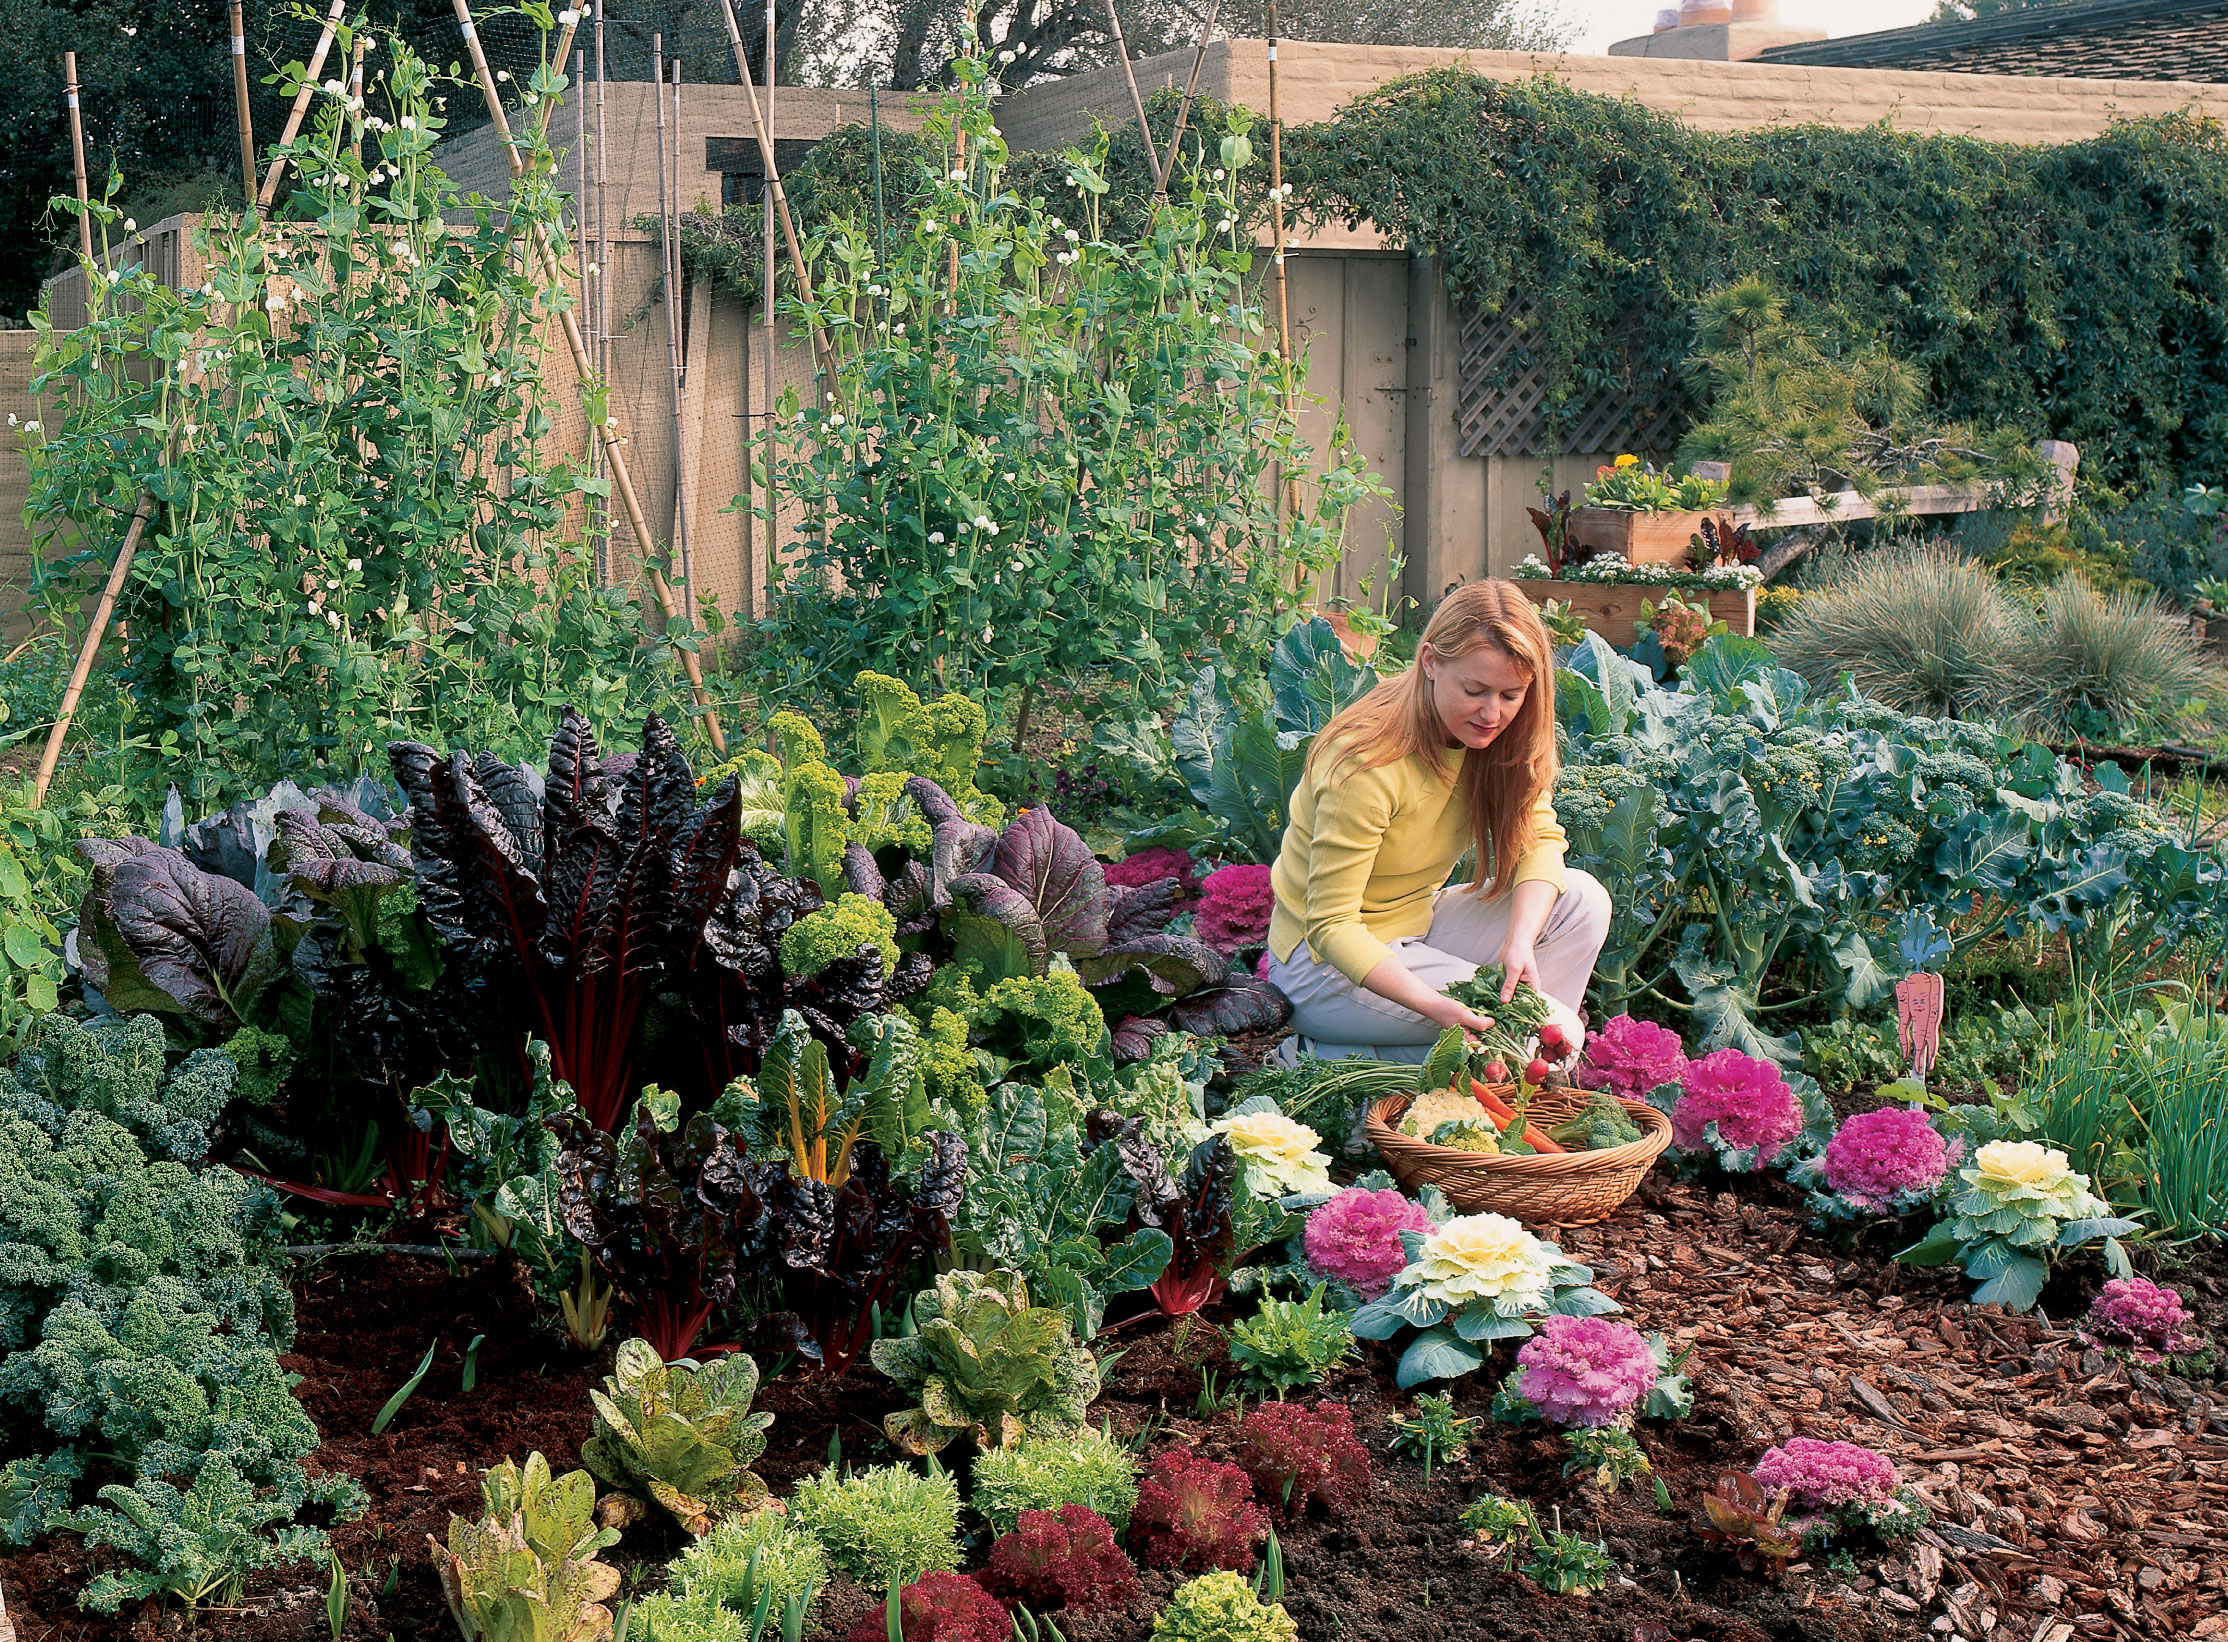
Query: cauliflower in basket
[
  {"x": 1436, "y": 1106},
  {"x": 1476, "y": 1135}
]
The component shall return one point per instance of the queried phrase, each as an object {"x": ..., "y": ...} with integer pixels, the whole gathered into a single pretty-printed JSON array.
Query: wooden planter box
[
  {"x": 1643, "y": 538},
  {"x": 1613, "y": 610}
]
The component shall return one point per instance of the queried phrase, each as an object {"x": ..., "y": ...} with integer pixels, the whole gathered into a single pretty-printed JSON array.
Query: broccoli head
[
  {"x": 819, "y": 938},
  {"x": 1597, "y": 1125}
]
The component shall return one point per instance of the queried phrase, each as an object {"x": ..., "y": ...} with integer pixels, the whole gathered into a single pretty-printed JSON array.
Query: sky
[{"x": 1605, "y": 21}]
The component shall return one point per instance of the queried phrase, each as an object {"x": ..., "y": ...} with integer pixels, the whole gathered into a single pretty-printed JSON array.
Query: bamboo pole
[
  {"x": 1288, "y": 491},
  {"x": 766, "y": 334},
  {"x": 1183, "y": 109},
  {"x": 242, "y": 115},
  {"x": 797, "y": 269},
  {"x": 356, "y": 91},
  {"x": 52, "y": 756},
  {"x": 302, "y": 96},
  {"x": 683, "y": 521},
  {"x": 622, "y": 480},
  {"x": 77, "y": 160},
  {"x": 603, "y": 295},
  {"x": 1136, "y": 99}
]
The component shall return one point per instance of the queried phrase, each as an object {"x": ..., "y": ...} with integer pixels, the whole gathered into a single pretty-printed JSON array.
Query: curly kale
[
  {"x": 1043, "y": 1020},
  {"x": 199, "y": 1543},
  {"x": 116, "y": 1068},
  {"x": 839, "y": 931}
]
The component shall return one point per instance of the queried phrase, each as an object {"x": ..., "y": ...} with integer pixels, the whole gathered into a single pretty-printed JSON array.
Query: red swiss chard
[
  {"x": 565, "y": 898},
  {"x": 1195, "y": 1209}
]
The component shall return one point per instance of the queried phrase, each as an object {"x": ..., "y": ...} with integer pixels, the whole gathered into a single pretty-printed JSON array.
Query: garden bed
[{"x": 2060, "y": 1483}]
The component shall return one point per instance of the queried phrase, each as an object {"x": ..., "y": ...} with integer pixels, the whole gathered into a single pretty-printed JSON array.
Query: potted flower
[{"x": 1641, "y": 514}]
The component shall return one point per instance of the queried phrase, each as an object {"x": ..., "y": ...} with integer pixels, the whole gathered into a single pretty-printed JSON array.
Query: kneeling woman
[{"x": 1455, "y": 755}]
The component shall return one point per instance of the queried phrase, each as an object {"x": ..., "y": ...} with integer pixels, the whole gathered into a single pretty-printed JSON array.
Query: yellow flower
[
  {"x": 2021, "y": 1163},
  {"x": 1280, "y": 1153},
  {"x": 1628, "y": 461},
  {"x": 1484, "y": 1257}
]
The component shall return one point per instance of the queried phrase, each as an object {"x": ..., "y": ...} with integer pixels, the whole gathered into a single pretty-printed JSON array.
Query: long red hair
[{"x": 1501, "y": 782}]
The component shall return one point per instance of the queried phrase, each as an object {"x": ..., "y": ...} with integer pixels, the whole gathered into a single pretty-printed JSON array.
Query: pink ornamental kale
[
  {"x": 1355, "y": 1237},
  {"x": 1585, "y": 1370},
  {"x": 1877, "y": 1156},
  {"x": 1825, "y": 1476},
  {"x": 1234, "y": 907},
  {"x": 2144, "y": 1318},
  {"x": 1745, "y": 1097},
  {"x": 1150, "y": 866},
  {"x": 1630, "y": 1057}
]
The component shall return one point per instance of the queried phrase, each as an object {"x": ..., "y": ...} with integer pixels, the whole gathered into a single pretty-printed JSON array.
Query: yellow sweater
[{"x": 1364, "y": 855}]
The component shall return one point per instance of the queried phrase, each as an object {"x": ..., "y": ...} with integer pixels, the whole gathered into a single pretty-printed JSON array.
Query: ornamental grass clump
[
  {"x": 1060, "y": 1559},
  {"x": 1355, "y": 1238},
  {"x": 1195, "y": 1513},
  {"x": 1736, "y": 1106},
  {"x": 2145, "y": 1321},
  {"x": 938, "y": 1607},
  {"x": 1586, "y": 1371},
  {"x": 2019, "y": 1206},
  {"x": 1234, "y": 907},
  {"x": 883, "y": 1523},
  {"x": 1883, "y": 1161},
  {"x": 1044, "y": 1471},
  {"x": 1221, "y": 1607},
  {"x": 1297, "y": 1454},
  {"x": 1630, "y": 1057}
]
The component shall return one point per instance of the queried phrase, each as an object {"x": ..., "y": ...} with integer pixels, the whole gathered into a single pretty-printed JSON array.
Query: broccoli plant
[
  {"x": 681, "y": 1434},
  {"x": 196, "y": 1544},
  {"x": 985, "y": 1364}
]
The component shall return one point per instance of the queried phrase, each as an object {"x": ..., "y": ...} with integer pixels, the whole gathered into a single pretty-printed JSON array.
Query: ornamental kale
[
  {"x": 2020, "y": 1204},
  {"x": 1296, "y": 1454},
  {"x": 682, "y": 1434},
  {"x": 1153, "y": 865},
  {"x": 2146, "y": 1320},
  {"x": 1630, "y": 1057},
  {"x": 985, "y": 1364},
  {"x": 1469, "y": 1282},
  {"x": 1883, "y": 1161},
  {"x": 1195, "y": 1513},
  {"x": 1355, "y": 1237},
  {"x": 1234, "y": 907},
  {"x": 1586, "y": 1371},
  {"x": 563, "y": 898},
  {"x": 1835, "y": 1486},
  {"x": 1065, "y": 1559},
  {"x": 1737, "y": 1106}
]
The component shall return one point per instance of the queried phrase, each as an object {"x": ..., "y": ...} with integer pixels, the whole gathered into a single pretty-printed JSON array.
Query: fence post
[{"x": 2058, "y": 495}]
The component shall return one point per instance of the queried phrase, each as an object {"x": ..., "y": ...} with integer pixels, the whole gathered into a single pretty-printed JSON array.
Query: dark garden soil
[{"x": 2073, "y": 1497}]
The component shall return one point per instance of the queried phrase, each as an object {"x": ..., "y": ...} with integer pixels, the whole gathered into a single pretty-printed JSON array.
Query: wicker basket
[{"x": 1552, "y": 1189}]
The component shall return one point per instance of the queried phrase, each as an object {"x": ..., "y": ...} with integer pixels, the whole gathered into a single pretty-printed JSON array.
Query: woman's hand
[
  {"x": 1519, "y": 963},
  {"x": 1468, "y": 1019}
]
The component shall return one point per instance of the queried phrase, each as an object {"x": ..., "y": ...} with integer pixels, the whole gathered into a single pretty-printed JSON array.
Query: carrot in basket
[{"x": 1503, "y": 1113}]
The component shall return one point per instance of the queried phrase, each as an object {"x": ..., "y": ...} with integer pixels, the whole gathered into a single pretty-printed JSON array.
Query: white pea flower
[
  {"x": 1220, "y": 173},
  {"x": 996, "y": 579},
  {"x": 12, "y": 422},
  {"x": 874, "y": 290},
  {"x": 594, "y": 268},
  {"x": 299, "y": 499},
  {"x": 130, "y": 30},
  {"x": 495, "y": 378},
  {"x": 502, "y": 74},
  {"x": 986, "y": 635},
  {"x": 959, "y": 173},
  {"x": 935, "y": 537},
  {"x": 333, "y": 88},
  {"x": 401, "y": 250},
  {"x": 1006, "y": 56},
  {"x": 274, "y": 304},
  {"x": 916, "y": 644},
  {"x": 316, "y": 607},
  {"x": 1072, "y": 236},
  {"x": 355, "y": 564},
  {"x": 208, "y": 290},
  {"x": 409, "y": 122},
  {"x": 130, "y": 226},
  {"x": 192, "y": 428},
  {"x": 613, "y": 421},
  {"x": 836, "y": 421},
  {"x": 32, "y": 426},
  {"x": 332, "y": 618},
  {"x": 115, "y": 276},
  {"x": 568, "y": 18},
  {"x": 1223, "y": 227},
  {"x": 899, "y": 328}
]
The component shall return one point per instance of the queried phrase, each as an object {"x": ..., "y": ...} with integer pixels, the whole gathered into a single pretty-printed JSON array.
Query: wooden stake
[
  {"x": 302, "y": 98},
  {"x": 622, "y": 480},
  {"x": 603, "y": 295},
  {"x": 77, "y": 158},
  {"x": 766, "y": 309},
  {"x": 1183, "y": 109},
  {"x": 1288, "y": 492},
  {"x": 84, "y": 668},
  {"x": 1129, "y": 72},
  {"x": 242, "y": 116},
  {"x": 758, "y": 119},
  {"x": 682, "y": 535}
]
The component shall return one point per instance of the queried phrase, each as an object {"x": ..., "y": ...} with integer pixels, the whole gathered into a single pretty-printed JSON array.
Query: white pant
[{"x": 1336, "y": 1017}]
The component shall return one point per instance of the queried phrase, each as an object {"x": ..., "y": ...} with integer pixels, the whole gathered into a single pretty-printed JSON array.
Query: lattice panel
[{"x": 1503, "y": 407}]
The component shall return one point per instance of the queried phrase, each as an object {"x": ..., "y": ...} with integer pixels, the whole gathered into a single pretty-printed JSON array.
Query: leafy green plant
[
  {"x": 1079, "y": 551},
  {"x": 760, "y": 1567},
  {"x": 1044, "y": 1471},
  {"x": 1607, "y": 1455},
  {"x": 403, "y": 1393},
  {"x": 2018, "y": 1206},
  {"x": 1738, "y": 1515},
  {"x": 887, "y": 1522},
  {"x": 1635, "y": 486},
  {"x": 682, "y": 1434},
  {"x": 1222, "y": 1607},
  {"x": 1498, "y": 1519},
  {"x": 191, "y": 1544},
  {"x": 527, "y": 1570},
  {"x": 346, "y": 433},
  {"x": 986, "y": 1364},
  {"x": 1433, "y": 1431},
  {"x": 1567, "y": 1565},
  {"x": 1287, "y": 1344}
]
